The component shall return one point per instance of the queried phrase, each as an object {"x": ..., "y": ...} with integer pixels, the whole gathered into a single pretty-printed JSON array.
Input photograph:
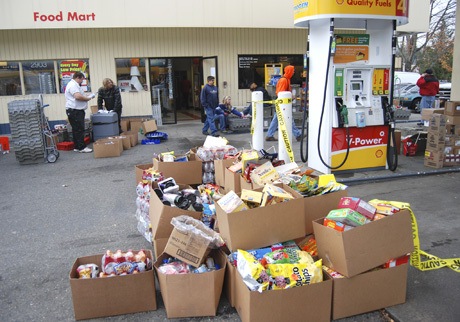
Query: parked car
[{"x": 411, "y": 98}]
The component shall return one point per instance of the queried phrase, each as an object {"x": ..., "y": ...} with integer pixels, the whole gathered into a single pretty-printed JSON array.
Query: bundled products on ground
[
  {"x": 209, "y": 154},
  {"x": 116, "y": 264}
]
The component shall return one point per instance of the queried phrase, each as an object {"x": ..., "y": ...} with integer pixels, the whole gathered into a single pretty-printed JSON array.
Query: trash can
[{"x": 104, "y": 125}]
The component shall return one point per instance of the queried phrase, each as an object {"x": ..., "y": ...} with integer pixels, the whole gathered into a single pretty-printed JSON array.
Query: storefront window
[
  {"x": 68, "y": 67},
  {"x": 39, "y": 77},
  {"x": 10, "y": 82},
  {"x": 131, "y": 74},
  {"x": 266, "y": 69}
]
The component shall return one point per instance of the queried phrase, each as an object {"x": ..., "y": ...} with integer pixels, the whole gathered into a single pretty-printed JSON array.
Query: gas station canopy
[{"x": 350, "y": 13}]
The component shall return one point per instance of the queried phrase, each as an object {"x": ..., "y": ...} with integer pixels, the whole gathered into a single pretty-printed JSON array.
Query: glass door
[{"x": 209, "y": 68}]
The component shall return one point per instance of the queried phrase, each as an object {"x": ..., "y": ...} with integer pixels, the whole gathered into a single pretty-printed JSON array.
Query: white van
[{"x": 406, "y": 78}]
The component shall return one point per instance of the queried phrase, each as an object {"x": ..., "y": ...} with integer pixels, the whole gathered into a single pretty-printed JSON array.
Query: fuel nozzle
[{"x": 344, "y": 115}]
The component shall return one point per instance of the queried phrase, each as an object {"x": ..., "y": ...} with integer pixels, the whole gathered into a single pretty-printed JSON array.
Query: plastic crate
[
  {"x": 236, "y": 123},
  {"x": 5, "y": 142},
  {"x": 65, "y": 146}
]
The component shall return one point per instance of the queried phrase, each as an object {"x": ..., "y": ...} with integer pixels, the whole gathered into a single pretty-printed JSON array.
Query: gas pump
[{"x": 350, "y": 87}]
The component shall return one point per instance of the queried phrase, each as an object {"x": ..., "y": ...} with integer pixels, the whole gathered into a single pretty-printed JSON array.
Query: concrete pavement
[{"x": 53, "y": 213}]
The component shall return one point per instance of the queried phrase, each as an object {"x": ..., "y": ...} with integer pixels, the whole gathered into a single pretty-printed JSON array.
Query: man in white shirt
[{"x": 76, "y": 104}]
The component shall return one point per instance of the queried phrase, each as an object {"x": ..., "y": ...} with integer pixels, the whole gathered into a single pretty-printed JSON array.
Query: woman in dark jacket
[{"x": 109, "y": 94}]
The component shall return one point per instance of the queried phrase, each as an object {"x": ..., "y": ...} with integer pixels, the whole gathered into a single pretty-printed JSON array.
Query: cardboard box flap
[{"x": 319, "y": 206}]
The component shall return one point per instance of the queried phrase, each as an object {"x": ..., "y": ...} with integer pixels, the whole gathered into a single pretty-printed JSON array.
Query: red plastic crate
[
  {"x": 65, "y": 146},
  {"x": 5, "y": 142}
]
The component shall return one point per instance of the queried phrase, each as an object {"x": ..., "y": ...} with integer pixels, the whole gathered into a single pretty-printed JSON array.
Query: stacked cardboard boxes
[
  {"x": 434, "y": 153},
  {"x": 259, "y": 227},
  {"x": 452, "y": 148},
  {"x": 357, "y": 254}
]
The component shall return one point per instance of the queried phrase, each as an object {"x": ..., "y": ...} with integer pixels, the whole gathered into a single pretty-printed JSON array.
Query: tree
[{"x": 433, "y": 49}]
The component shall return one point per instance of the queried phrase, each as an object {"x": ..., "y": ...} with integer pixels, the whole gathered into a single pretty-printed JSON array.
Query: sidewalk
[{"x": 78, "y": 206}]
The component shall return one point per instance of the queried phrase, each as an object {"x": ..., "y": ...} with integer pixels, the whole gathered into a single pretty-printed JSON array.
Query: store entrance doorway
[{"x": 175, "y": 87}]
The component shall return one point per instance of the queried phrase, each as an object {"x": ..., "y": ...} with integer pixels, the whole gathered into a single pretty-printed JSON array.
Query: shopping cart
[{"x": 51, "y": 152}]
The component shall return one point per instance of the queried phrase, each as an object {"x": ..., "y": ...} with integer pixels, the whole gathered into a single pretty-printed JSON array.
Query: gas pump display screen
[{"x": 355, "y": 86}]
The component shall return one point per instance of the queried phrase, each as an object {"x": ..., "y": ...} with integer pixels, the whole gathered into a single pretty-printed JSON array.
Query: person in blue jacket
[
  {"x": 209, "y": 98},
  {"x": 225, "y": 109}
]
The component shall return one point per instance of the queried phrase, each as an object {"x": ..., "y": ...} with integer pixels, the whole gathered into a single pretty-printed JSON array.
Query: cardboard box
[
  {"x": 124, "y": 124},
  {"x": 133, "y": 137},
  {"x": 139, "y": 169},
  {"x": 149, "y": 126},
  {"x": 100, "y": 297},
  {"x": 125, "y": 141},
  {"x": 453, "y": 120},
  {"x": 428, "y": 112},
  {"x": 438, "y": 123},
  {"x": 159, "y": 247},
  {"x": 370, "y": 291},
  {"x": 189, "y": 172},
  {"x": 362, "y": 248},
  {"x": 161, "y": 215},
  {"x": 263, "y": 226},
  {"x": 310, "y": 302},
  {"x": 94, "y": 109},
  {"x": 452, "y": 108},
  {"x": 434, "y": 159},
  {"x": 106, "y": 148},
  {"x": 135, "y": 124},
  {"x": 436, "y": 141},
  {"x": 219, "y": 170},
  {"x": 192, "y": 242},
  {"x": 232, "y": 181},
  {"x": 317, "y": 207},
  {"x": 191, "y": 295},
  {"x": 229, "y": 287}
]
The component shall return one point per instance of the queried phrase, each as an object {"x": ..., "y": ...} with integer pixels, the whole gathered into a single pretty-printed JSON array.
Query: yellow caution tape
[
  {"x": 433, "y": 262},
  {"x": 254, "y": 116},
  {"x": 282, "y": 127}
]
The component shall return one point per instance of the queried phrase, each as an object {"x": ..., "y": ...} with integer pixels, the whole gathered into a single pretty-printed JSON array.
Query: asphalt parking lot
[{"x": 53, "y": 213}]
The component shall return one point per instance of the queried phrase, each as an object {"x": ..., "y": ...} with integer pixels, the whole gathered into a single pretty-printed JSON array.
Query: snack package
[
  {"x": 332, "y": 273},
  {"x": 359, "y": 205},
  {"x": 88, "y": 271},
  {"x": 253, "y": 273},
  {"x": 383, "y": 208},
  {"x": 277, "y": 257},
  {"x": 291, "y": 275},
  {"x": 347, "y": 216},
  {"x": 309, "y": 245}
]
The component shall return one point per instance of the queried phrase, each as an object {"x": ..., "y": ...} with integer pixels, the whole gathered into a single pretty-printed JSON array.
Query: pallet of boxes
[
  {"x": 443, "y": 141},
  {"x": 452, "y": 142}
]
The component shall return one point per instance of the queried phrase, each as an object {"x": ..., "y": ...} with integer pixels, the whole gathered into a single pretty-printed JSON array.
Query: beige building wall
[{"x": 102, "y": 46}]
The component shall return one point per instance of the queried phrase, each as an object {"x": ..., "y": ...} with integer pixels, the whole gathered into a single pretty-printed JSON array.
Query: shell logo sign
[{"x": 374, "y": 9}]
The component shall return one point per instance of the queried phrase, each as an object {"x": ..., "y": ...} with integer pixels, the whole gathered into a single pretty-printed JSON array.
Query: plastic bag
[{"x": 186, "y": 224}]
